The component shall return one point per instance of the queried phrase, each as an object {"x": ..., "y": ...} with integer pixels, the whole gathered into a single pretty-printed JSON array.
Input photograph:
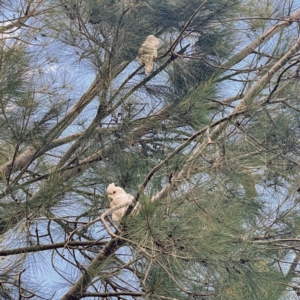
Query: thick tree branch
[
  {"x": 261, "y": 39},
  {"x": 22, "y": 160},
  {"x": 38, "y": 248},
  {"x": 81, "y": 285}
]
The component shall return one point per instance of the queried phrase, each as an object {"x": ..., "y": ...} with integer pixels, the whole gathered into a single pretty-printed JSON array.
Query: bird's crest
[{"x": 112, "y": 189}]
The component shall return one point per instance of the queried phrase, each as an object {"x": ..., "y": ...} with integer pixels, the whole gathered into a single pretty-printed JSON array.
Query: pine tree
[{"x": 207, "y": 143}]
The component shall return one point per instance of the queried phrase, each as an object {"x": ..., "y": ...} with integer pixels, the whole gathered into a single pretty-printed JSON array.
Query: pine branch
[
  {"x": 222, "y": 125},
  {"x": 40, "y": 247},
  {"x": 261, "y": 39}
]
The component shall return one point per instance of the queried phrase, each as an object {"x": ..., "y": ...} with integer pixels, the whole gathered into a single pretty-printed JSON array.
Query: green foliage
[
  {"x": 216, "y": 177},
  {"x": 206, "y": 240},
  {"x": 13, "y": 65},
  {"x": 132, "y": 21}
]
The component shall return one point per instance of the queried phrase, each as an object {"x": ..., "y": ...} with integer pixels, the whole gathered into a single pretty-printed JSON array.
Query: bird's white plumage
[
  {"x": 147, "y": 52},
  {"x": 118, "y": 196}
]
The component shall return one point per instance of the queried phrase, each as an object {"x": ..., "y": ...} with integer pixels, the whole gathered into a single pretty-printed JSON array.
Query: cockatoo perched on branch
[
  {"x": 117, "y": 196},
  {"x": 148, "y": 52}
]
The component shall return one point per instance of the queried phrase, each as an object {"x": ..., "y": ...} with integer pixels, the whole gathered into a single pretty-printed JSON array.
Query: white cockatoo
[
  {"x": 117, "y": 196},
  {"x": 147, "y": 52}
]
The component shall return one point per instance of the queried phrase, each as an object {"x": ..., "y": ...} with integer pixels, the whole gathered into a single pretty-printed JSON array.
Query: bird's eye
[{"x": 114, "y": 192}]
